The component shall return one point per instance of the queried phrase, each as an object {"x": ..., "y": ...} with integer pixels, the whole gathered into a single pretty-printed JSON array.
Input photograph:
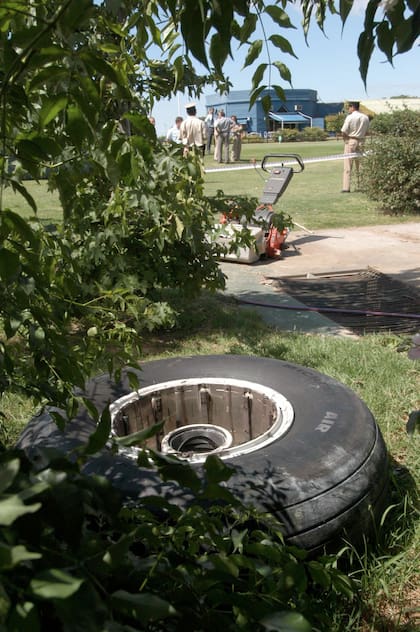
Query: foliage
[
  {"x": 289, "y": 135},
  {"x": 334, "y": 122},
  {"x": 394, "y": 154},
  {"x": 397, "y": 123},
  {"x": 73, "y": 557},
  {"x": 44, "y": 352},
  {"x": 313, "y": 134},
  {"x": 68, "y": 98}
]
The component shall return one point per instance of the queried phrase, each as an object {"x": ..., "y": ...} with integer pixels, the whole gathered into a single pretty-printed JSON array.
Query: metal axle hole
[{"x": 197, "y": 439}]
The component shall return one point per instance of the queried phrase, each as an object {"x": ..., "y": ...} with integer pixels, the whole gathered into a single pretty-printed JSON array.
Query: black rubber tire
[{"x": 327, "y": 476}]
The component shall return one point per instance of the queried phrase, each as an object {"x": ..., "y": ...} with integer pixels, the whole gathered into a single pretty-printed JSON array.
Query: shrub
[
  {"x": 398, "y": 123},
  {"x": 313, "y": 134},
  {"x": 334, "y": 122},
  {"x": 389, "y": 173},
  {"x": 289, "y": 135}
]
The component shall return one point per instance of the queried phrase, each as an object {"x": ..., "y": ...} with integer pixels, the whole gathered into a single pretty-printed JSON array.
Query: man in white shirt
[
  {"x": 209, "y": 121},
  {"x": 354, "y": 130},
  {"x": 193, "y": 131},
  {"x": 173, "y": 135}
]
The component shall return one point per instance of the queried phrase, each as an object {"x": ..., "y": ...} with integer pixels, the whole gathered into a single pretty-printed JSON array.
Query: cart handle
[{"x": 295, "y": 156}]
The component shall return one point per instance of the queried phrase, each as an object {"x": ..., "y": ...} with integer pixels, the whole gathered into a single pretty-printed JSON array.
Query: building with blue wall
[{"x": 300, "y": 109}]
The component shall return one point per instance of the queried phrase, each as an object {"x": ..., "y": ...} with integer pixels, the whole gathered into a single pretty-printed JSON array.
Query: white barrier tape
[{"x": 284, "y": 164}]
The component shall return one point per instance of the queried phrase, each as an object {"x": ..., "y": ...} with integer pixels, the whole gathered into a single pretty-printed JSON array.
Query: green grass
[
  {"x": 48, "y": 203},
  {"x": 313, "y": 198}
]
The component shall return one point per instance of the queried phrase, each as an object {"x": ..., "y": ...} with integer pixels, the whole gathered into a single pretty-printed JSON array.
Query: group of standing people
[
  {"x": 193, "y": 132},
  {"x": 198, "y": 134},
  {"x": 222, "y": 129}
]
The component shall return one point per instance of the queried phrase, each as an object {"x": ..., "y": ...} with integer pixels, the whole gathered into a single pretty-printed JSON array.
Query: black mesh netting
[{"x": 360, "y": 290}]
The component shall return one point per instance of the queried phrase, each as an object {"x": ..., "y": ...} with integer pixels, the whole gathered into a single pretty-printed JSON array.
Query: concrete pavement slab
[{"x": 390, "y": 249}]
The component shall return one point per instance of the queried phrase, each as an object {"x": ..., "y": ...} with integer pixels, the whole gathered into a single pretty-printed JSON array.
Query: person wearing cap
[
  {"x": 193, "y": 131},
  {"x": 354, "y": 130}
]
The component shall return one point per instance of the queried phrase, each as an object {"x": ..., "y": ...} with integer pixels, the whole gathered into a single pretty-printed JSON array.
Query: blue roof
[{"x": 285, "y": 117}]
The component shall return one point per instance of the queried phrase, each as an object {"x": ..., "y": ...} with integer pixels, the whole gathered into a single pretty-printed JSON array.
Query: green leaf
[
  {"x": 266, "y": 103},
  {"x": 17, "y": 186},
  {"x": 214, "y": 491},
  {"x": 224, "y": 564},
  {"x": 319, "y": 574},
  {"x": 248, "y": 27},
  {"x": 91, "y": 408},
  {"x": 172, "y": 469},
  {"x": 385, "y": 39},
  {"x": 51, "y": 107},
  {"x": 103, "y": 68},
  {"x": 254, "y": 95},
  {"x": 219, "y": 50},
  {"x": 8, "y": 473},
  {"x": 19, "y": 225},
  {"x": 279, "y": 92},
  {"x": 365, "y": 47},
  {"x": 216, "y": 470},
  {"x": 144, "y": 606},
  {"x": 9, "y": 264},
  {"x": 137, "y": 438},
  {"x": 283, "y": 44},
  {"x": 133, "y": 380},
  {"x": 36, "y": 336},
  {"x": 59, "y": 419},
  {"x": 258, "y": 76},
  {"x": 117, "y": 552},
  {"x": 284, "y": 71},
  {"x": 77, "y": 127},
  {"x": 5, "y": 605},
  {"x": 139, "y": 122},
  {"x": 100, "y": 436},
  {"x": 76, "y": 13},
  {"x": 253, "y": 53},
  {"x": 11, "y": 556},
  {"x": 406, "y": 33},
  {"x": 24, "y": 618},
  {"x": 12, "y": 508},
  {"x": 345, "y": 7},
  {"x": 342, "y": 584},
  {"x": 285, "y": 622},
  {"x": 194, "y": 38},
  {"x": 238, "y": 539},
  {"x": 55, "y": 584},
  {"x": 279, "y": 16}
]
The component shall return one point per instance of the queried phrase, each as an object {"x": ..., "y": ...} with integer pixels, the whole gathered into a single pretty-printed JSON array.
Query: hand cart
[{"x": 269, "y": 240}]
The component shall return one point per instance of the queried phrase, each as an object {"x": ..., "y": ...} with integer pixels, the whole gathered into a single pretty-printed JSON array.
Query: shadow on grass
[{"x": 207, "y": 320}]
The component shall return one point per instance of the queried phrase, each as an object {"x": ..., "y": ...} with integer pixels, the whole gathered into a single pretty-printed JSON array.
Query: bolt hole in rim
[{"x": 203, "y": 416}]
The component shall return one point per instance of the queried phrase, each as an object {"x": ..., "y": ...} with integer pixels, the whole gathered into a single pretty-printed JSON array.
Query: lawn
[
  {"x": 313, "y": 197},
  {"x": 376, "y": 367}
]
